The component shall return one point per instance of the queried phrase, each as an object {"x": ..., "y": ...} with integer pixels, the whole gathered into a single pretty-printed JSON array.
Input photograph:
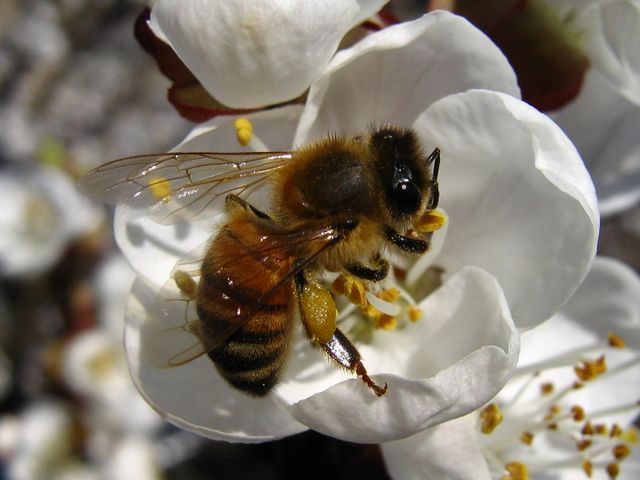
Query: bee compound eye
[{"x": 406, "y": 198}]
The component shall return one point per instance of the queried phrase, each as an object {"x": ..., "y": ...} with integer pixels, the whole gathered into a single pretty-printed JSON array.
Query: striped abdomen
[{"x": 241, "y": 290}]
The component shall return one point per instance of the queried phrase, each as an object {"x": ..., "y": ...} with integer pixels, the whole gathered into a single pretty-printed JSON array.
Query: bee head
[{"x": 402, "y": 170}]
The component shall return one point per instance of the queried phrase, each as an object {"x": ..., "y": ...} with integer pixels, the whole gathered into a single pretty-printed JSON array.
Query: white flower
[
  {"x": 561, "y": 415},
  {"x": 250, "y": 55},
  {"x": 42, "y": 211},
  {"x": 522, "y": 232}
]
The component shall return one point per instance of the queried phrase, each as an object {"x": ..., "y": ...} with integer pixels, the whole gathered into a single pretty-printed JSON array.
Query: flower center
[{"x": 544, "y": 430}]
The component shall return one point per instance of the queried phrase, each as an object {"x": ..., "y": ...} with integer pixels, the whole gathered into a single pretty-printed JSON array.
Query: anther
[
  {"x": 160, "y": 187},
  {"x": 490, "y": 417},
  {"x": 577, "y": 413},
  {"x": 527, "y": 438},
  {"x": 244, "y": 130},
  {"x": 620, "y": 451},
  {"x": 613, "y": 470},
  {"x": 515, "y": 471},
  {"x": 615, "y": 341}
]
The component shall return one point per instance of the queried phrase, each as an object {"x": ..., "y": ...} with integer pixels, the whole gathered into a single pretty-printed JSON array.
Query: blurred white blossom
[{"x": 42, "y": 212}]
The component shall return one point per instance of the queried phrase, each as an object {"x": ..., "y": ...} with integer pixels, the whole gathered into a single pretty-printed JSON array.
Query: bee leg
[
  {"x": 408, "y": 244},
  {"x": 371, "y": 274},
  {"x": 341, "y": 350},
  {"x": 318, "y": 312},
  {"x": 233, "y": 202}
]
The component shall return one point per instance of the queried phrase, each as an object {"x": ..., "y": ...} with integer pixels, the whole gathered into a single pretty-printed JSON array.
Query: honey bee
[{"x": 335, "y": 205}]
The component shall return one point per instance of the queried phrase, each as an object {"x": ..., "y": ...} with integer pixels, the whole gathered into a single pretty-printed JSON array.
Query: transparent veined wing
[{"x": 181, "y": 185}]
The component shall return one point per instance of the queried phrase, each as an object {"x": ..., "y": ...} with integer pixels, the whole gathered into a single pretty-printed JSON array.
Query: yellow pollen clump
[
  {"x": 386, "y": 322},
  {"x": 527, "y": 438},
  {"x": 160, "y": 187},
  {"x": 578, "y": 413},
  {"x": 244, "y": 130},
  {"x": 546, "y": 388},
  {"x": 587, "y": 467},
  {"x": 318, "y": 312},
  {"x": 615, "y": 341},
  {"x": 613, "y": 470},
  {"x": 352, "y": 288},
  {"x": 490, "y": 417},
  {"x": 414, "y": 313},
  {"x": 515, "y": 471},
  {"x": 431, "y": 221},
  {"x": 389, "y": 295},
  {"x": 620, "y": 451}
]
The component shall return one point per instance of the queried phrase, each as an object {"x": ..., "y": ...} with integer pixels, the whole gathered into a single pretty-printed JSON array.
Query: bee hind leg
[
  {"x": 234, "y": 202},
  {"x": 318, "y": 315},
  {"x": 341, "y": 350}
]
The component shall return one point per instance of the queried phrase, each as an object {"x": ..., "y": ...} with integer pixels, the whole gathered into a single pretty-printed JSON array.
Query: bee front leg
[{"x": 408, "y": 244}]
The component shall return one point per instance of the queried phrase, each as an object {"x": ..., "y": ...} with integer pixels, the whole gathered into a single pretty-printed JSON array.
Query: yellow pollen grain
[
  {"x": 620, "y": 451},
  {"x": 431, "y": 221},
  {"x": 587, "y": 467},
  {"x": 613, "y": 470},
  {"x": 516, "y": 471},
  {"x": 546, "y": 388},
  {"x": 577, "y": 413},
  {"x": 389, "y": 295},
  {"x": 414, "y": 313},
  {"x": 600, "y": 365},
  {"x": 160, "y": 187},
  {"x": 601, "y": 429},
  {"x": 386, "y": 322},
  {"x": 490, "y": 417},
  {"x": 527, "y": 438},
  {"x": 244, "y": 130},
  {"x": 615, "y": 341},
  {"x": 352, "y": 288}
]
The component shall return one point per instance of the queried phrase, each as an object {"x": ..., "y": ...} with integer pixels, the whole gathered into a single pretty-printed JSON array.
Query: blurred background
[{"x": 77, "y": 90}]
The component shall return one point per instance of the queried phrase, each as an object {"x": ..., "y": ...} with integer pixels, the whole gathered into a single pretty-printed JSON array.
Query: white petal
[
  {"x": 260, "y": 53},
  {"x": 610, "y": 32},
  {"x": 449, "y": 450},
  {"x": 608, "y": 300},
  {"x": 445, "y": 366},
  {"x": 153, "y": 249},
  {"x": 603, "y": 125},
  {"x": 193, "y": 396},
  {"x": 393, "y": 75},
  {"x": 520, "y": 203}
]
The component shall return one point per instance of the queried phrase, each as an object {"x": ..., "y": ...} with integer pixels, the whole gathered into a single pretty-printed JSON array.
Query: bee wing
[
  {"x": 182, "y": 185},
  {"x": 285, "y": 244}
]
